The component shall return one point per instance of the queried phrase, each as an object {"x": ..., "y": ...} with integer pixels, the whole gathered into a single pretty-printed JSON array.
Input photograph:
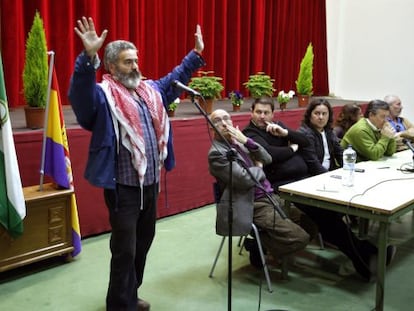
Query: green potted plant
[
  {"x": 209, "y": 86},
  {"x": 172, "y": 107},
  {"x": 236, "y": 98},
  {"x": 35, "y": 74},
  {"x": 283, "y": 98},
  {"x": 304, "y": 84},
  {"x": 260, "y": 84}
]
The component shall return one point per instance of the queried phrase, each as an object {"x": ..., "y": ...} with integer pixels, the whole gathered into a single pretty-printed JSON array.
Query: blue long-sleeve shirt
[{"x": 93, "y": 114}]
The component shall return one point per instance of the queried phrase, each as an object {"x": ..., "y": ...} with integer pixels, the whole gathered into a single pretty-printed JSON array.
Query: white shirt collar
[{"x": 376, "y": 129}]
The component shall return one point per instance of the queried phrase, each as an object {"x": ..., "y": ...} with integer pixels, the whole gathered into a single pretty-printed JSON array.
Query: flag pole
[{"x": 49, "y": 86}]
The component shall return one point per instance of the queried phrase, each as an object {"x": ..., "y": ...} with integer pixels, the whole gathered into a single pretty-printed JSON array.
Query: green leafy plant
[
  {"x": 174, "y": 105},
  {"x": 208, "y": 85},
  {"x": 35, "y": 72},
  {"x": 304, "y": 84},
  {"x": 260, "y": 85},
  {"x": 283, "y": 97}
]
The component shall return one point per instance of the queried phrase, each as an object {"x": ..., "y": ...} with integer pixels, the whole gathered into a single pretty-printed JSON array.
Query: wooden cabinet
[{"x": 47, "y": 229}]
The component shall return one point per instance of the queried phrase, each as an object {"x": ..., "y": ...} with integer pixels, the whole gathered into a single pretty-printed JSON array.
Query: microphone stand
[
  {"x": 259, "y": 185},
  {"x": 411, "y": 147},
  {"x": 413, "y": 161},
  {"x": 231, "y": 156},
  {"x": 275, "y": 206}
]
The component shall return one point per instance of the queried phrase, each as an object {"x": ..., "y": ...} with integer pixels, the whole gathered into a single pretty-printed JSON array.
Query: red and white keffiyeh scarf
[{"x": 125, "y": 113}]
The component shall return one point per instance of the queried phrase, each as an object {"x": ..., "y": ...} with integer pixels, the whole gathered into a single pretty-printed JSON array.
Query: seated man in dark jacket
[{"x": 283, "y": 144}]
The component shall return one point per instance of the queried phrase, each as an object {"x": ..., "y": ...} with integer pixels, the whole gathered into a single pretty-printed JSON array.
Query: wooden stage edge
[{"x": 186, "y": 110}]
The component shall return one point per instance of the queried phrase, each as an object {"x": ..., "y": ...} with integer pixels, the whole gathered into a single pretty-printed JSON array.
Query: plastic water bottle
[{"x": 349, "y": 159}]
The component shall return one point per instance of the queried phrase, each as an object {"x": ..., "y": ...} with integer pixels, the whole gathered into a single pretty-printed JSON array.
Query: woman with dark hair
[
  {"x": 348, "y": 116},
  {"x": 324, "y": 154}
]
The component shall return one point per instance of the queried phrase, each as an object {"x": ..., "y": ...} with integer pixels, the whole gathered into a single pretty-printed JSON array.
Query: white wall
[{"x": 371, "y": 50}]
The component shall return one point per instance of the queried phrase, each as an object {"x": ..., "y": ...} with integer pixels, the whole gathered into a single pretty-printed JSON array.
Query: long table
[{"x": 383, "y": 192}]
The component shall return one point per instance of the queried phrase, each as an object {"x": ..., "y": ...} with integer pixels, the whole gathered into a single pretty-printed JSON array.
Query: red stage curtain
[{"x": 241, "y": 36}]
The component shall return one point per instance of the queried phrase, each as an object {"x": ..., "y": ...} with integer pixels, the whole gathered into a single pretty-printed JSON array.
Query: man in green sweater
[{"x": 372, "y": 137}]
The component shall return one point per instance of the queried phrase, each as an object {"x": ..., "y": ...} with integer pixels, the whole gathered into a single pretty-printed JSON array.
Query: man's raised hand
[
  {"x": 199, "y": 43},
  {"x": 87, "y": 33}
]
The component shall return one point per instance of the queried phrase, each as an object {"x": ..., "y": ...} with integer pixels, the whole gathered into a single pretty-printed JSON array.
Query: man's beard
[{"x": 129, "y": 80}]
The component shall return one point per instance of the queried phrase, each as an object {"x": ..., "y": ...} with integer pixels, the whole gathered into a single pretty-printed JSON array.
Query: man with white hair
[{"x": 404, "y": 129}]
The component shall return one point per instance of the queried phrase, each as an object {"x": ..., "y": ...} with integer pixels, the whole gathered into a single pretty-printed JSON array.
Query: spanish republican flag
[
  {"x": 12, "y": 204},
  {"x": 57, "y": 160}
]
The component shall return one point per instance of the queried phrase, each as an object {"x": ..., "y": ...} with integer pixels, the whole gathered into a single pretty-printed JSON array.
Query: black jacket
[
  {"x": 313, "y": 154},
  {"x": 287, "y": 165}
]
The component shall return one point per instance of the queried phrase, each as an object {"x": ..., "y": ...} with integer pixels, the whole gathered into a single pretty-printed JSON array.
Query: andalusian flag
[
  {"x": 57, "y": 160},
  {"x": 12, "y": 204}
]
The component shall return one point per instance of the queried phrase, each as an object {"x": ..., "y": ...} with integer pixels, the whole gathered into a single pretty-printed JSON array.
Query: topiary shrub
[
  {"x": 304, "y": 83},
  {"x": 35, "y": 72}
]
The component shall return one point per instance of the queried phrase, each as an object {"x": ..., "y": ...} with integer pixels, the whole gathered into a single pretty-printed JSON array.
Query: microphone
[
  {"x": 183, "y": 87},
  {"x": 408, "y": 144}
]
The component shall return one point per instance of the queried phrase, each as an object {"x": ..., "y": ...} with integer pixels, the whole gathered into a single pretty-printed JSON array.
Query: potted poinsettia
[
  {"x": 260, "y": 84},
  {"x": 209, "y": 86},
  {"x": 283, "y": 98}
]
